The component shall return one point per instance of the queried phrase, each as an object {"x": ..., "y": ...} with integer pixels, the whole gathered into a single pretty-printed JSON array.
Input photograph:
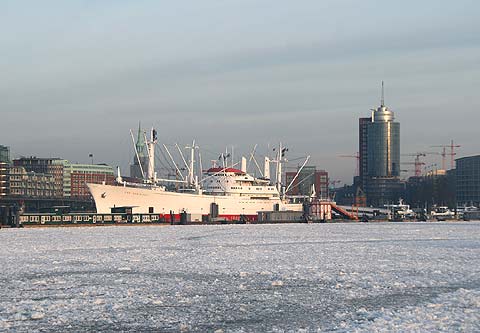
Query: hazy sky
[{"x": 77, "y": 75}]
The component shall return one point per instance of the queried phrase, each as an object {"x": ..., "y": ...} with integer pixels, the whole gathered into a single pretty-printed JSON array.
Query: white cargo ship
[{"x": 224, "y": 192}]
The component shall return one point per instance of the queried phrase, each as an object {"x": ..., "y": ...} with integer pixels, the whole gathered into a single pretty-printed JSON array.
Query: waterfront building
[
  {"x": 76, "y": 176},
  {"x": 309, "y": 176},
  {"x": 69, "y": 178},
  {"x": 30, "y": 184},
  {"x": 4, "y": 170},
  {"x": 140, "y": 161},
  {"x": 380, "y": 157},
  {"x": 468, "y": 181},
  {"x": 436, "y": 188},
  {"x": 51, "y": 166}
]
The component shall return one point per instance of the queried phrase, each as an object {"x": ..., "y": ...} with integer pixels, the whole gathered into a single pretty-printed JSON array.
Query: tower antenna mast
[{"x": 382, "y": 102}]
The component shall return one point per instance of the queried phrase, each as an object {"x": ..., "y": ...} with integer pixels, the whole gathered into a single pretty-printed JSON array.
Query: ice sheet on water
[{"x": 341, "y": 277}]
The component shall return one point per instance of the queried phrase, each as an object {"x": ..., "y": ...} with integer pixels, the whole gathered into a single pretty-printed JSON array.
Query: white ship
[
  {"x": 401, "y": 211},
  {"x": 223, "y": 192},
  {"x": 442, "y": 213}
]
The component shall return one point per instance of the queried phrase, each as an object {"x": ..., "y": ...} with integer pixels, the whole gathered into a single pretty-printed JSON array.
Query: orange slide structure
[{"x": 344, "y": 213}]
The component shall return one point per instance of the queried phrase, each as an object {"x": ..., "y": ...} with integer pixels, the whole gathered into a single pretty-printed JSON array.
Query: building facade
[
  {"x": 468, "y": 181},
  {"x": 308, "y": 177},
  {"x": 30, "y": 184},
  {"x": 363, "y": 150},
  {"x": 50, "y": 166},
  {"x": 4, "y": 170},
  {"x": 436, "y": 188},
  {"x": 76, "y": 177},
  {"x": 69, "y": 179}
]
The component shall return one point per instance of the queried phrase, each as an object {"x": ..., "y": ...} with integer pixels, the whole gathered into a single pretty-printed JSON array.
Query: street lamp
[{"x": 91, "y": 156}]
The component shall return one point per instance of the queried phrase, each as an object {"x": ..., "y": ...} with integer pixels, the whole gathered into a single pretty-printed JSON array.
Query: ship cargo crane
[
  {"x": 357, "y": 157},
  {"x": 444, "y": 153}
]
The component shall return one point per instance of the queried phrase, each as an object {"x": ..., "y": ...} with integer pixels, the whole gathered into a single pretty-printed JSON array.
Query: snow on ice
[{"x": 242, "y": 278}]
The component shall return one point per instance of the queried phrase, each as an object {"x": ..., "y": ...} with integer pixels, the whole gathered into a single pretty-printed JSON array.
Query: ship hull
[{"x": 155, "y": 200}]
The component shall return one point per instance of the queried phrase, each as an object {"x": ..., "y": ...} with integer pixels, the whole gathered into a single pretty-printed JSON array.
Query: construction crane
[
  {"x": 444, "y": 153},
  {"x": 333, "y": 183},
  {"x": 357, "y": 157},
  {"x": 417, "y": 163}
]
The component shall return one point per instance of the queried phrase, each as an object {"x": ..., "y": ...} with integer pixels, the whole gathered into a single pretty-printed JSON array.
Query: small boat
[
  {"x": 401, "y": 212},
  {"x": 442, "y": 213}
]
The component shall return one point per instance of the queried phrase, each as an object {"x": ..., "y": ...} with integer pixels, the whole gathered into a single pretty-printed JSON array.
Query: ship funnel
[
  {"x": 266, "y": 170},
  {"x": 244, "y": 165}
]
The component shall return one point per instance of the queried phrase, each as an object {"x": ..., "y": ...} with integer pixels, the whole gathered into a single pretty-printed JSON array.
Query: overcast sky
[{"x": 77, "y": 75}]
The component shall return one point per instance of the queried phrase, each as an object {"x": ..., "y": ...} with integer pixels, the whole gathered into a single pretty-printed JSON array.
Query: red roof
[{"x": 215, "y": 170}]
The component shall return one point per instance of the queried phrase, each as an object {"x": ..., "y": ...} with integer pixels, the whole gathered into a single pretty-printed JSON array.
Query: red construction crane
[
  {"x": 332, "y": 183},
  {"x": 357, "y": 157},
  {"x": 452, "y": 153},
  {"x": 417, "y": 163}
]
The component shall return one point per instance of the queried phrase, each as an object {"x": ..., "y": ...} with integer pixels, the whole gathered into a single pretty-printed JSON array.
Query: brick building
[
  {"x": 306, "y": 178},
  {"x": 76, "y": 176}
]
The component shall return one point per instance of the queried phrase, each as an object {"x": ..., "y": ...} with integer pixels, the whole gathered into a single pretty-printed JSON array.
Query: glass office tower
[
  {"x": 383, "y": 144},
  {"x": 382, "y": 182}
]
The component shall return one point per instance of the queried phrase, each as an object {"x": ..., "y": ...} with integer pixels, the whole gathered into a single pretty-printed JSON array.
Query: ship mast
[
  {"x": 151, "y": 175},
  {"x": 192, "y": 178},
  {"x": 279, "y": 160}
]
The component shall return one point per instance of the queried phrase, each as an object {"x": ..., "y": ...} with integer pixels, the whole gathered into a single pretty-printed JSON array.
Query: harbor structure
[
  {"x": 467, "y": 174},
  {"x": 4, "y": 170},
  {"x": 379, "y": 156}
]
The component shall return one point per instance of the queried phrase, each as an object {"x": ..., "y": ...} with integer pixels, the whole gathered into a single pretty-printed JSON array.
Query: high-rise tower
[
  {"x": 381, "y": 181},
  {"x": 383, "y": 142}
]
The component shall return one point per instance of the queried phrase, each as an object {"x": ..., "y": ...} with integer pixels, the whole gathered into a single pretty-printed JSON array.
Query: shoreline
[{"x": 77, "y": 225}]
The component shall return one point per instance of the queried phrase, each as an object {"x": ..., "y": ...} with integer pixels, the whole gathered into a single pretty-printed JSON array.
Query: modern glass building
[
  {"x": 468, "y": 181},
  {"x": 363, "y": 149},
  {"x": 383, "y": 144},
  {"x": 380, "y": 157}
]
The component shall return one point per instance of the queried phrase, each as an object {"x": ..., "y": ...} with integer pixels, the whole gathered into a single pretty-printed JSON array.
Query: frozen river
[{"x": 234, "y": 278}]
